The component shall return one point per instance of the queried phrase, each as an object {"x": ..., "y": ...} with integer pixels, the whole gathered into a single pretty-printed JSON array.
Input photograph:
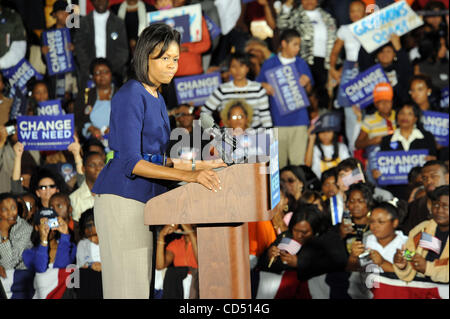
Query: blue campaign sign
[
  {"x": 20, "y": 74},
  {"x": 437, "y": 124},
  {"x": 214, "y": 29},
  {"x": 50, "y": 108},
  {"x": 274, "y": 175},
  {"x": 290, "y": 96},
  {"x": 444, "y": 98},
  {"x": 59, "y": 58},
  {"x": 359, "y": 91},
  {"x": 45, "y": 133},
  {"x": 396, "y": 165},
  {"x": 181, "y": 24},
  {"x": 196, "y": 89}
]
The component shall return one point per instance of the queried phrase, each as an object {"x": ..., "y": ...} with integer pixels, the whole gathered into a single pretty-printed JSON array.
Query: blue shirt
[
  {"x": 297, "y": 118},
  {"x": 36, "y": 258},
  {"x": 139, "y": 125}
]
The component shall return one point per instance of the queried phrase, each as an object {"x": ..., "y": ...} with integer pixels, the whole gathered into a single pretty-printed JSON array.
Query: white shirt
[
  {"x": 320, "y": 33},
  {"x": 229, "y": 13},
  {"x": 284, "y": 60},
  {"x": 328, "y": 151},
  {"x": 351, "y": 43},
  {"x": 100, "y": 20},
  {"x": 81, "y": 200},
  {"x": 387, "y": 252},
  {"x": 87, "y": 252},
  {"x": 416, "y": 134}
]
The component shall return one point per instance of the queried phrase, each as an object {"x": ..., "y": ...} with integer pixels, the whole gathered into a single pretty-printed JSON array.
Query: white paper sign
[{"x": 376, "y": 29}]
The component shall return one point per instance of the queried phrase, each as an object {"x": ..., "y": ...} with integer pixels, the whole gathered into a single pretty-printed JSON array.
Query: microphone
[{"x": 208, "y": 124}]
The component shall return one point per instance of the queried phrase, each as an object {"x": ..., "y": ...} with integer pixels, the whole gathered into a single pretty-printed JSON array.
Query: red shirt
[{"x": 183, "y": 257}]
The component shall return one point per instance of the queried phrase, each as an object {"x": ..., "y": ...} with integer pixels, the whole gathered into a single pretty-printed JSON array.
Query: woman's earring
[{"x": 286, "y": 208}]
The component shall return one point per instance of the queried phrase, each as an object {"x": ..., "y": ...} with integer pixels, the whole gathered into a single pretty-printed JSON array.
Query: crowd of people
[{"x": 359, "y": 238}]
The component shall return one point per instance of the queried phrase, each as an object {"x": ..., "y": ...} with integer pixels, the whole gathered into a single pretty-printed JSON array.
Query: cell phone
[
  {"x": 364, "y": 259},
  {"x": 409, "y": 254},
  {"x": 53, "y": 223},
  {"x": 10, "y": 130}
]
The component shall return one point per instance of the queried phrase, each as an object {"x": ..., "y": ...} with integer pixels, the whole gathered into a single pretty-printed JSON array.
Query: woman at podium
[{"x": 139, "y": 135}]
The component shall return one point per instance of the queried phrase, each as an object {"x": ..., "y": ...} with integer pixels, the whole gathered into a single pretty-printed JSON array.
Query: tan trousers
[
  {"x": 125, "y": 247},
  {"x": 292, "y": 143}
]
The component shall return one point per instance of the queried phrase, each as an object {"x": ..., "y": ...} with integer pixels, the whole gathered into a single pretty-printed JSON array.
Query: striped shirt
[
  {"x": 12, "y": 249},
  {"x": 253, "y": 93},
  {"x": 375, "y": 125}
]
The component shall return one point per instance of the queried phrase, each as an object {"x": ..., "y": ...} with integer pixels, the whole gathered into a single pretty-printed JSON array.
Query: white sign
[{"x": 376, "y": 29}]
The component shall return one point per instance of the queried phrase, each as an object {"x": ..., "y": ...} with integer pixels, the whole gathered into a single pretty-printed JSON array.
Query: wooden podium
[{"x": 222, "y": 230}]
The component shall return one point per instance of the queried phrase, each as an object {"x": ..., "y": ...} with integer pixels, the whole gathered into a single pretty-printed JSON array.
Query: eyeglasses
[
  {"x": 236, "y": 117},
  {"x": 44, "y": 187},
  {"x": 102, "y": 72},
  {"x": 289, "y": 180},
  {"x": 438, "y": 205},
  {"x": 183, "y": 114}
]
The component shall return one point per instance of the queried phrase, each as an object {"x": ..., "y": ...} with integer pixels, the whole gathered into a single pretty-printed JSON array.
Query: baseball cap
[
  {"x": 383, "y": 91},
  {"x": 330, "y": 121},
  {"x": 44, "y": 213}
]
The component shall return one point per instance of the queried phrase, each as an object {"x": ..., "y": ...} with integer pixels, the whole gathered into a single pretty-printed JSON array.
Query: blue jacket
[
  {"x": 296, "y": 118},
  {"x": 36, "y": 258},
  {"x": 139, "y": 125}
]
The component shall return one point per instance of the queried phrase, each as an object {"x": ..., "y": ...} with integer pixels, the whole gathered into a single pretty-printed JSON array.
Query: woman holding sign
[
  {"x": 139, "y": 134},
  {"x": 408, "y": 136}
]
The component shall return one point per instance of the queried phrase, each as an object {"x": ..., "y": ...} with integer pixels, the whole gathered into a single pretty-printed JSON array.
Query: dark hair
[
  {"x": 309, "y": 213},
  {"x": 335, "y": 142},
  {"x": 4, "y": 196},
  {"x": 438, "y": 192},
  {"x": 433, "y": 5},
  {"x": 61, "y": 195},
  {"x": 292, "y": 202},
  {"x": 88, "y": 155},
  {"x": 150, "y": 38},
  {"x": 242, "y": 58},
  {"x": 331, "y": 172},
  {"x": 365, "y": 189},
  {"x": 412, "y": 175},
  {"x": 358, "y": 1},
  {"x": 90, "y": 142},
  {"x": 289, "y": 34},
  {"x": 349, "y": 163},
  {"x": 46, "y": 173},
  {"x": 389, "y": 208},
  {"x": 99, "y": 61},
  {"x": 310, "y": 194},
  {"x": 416, "y": 110},
  {"x": 442, "y": 164},
  {"x": 297, "y": 171},
  {"x": 423, "y": 78},
  {"x": 86, "y": 216}
]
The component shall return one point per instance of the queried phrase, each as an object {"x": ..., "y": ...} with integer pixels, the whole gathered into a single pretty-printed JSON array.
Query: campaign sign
[
  {"x": 376, "y": 29},
  {"x": 437, "y": 124},
  {"x": 181, "y": 24},
  {"x": 195, "y": 18},
  {"x": 396, "y": 165},
  {"x": 290, "y": 96},
  {"x": 444, "y": 98},
  {"x": 20, "y": 74},
  {"x": 197, "y": 88},
  {"x": 59, "y": 58},
  {"x": 214, "y": 29},
  {"x": 274, "y": 175},
  {"x": 359, "y": 91},
  {"x": 45, "y": 133},
  {"x": 50, "y": 108}
]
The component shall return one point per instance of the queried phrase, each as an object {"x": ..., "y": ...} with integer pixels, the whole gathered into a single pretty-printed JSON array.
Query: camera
[
  {"x": 364, "y": 259},
  {"x": 10, "y": 130},
  {"x": 53, "y": 223},
  {"x": 409, "y": 254}
]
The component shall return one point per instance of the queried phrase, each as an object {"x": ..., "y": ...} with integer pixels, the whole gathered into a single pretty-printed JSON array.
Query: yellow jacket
[{"x": 436, "y": 270}]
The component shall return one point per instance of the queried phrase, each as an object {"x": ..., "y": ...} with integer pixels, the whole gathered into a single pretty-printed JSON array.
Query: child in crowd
[
  {"x": 88, "y": 250},
  {"x": 324, "y": 151},
  {"x": 292, "y": 127},
  {"x": 61, "y": 204},
  {"x": 241, "y": 88}
]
